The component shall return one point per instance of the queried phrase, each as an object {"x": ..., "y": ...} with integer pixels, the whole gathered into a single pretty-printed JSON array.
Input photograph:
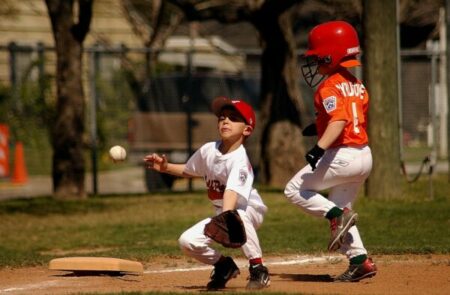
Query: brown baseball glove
[{"x": 227, "y": 229}]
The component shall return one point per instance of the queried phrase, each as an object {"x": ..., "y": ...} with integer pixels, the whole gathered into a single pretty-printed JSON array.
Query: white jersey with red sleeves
[
  {"x": 231, "y": 171},
  {"x": 343, "y": 97}
]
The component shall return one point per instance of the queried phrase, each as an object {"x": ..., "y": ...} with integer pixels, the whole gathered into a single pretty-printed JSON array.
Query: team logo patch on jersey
[
  {"x": 329, "y": 103},
  {"x": 243, "y": 176}
]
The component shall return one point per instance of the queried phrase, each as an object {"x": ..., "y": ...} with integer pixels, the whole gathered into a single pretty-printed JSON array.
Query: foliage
[
  {"x": 115, "y": 103},
  {"x": 26, "y": 103},
  {"x": 28, "y": 111}
]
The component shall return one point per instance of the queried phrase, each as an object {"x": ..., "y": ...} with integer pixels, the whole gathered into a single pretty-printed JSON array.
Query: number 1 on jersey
[{"x": 355, "y": 118}]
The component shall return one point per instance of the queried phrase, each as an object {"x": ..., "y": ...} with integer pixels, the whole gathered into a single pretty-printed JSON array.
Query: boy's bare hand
[{"x": 156, "y": 162}]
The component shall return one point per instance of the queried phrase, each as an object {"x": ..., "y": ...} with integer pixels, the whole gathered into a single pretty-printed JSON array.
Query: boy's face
[{"x": 232, "y": 125}]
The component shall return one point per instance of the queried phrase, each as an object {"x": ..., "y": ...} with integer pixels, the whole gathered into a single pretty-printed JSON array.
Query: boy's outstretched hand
[{"x": 156, "y": 162}]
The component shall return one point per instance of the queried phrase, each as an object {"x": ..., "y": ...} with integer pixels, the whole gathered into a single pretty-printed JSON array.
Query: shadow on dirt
[
  {"x": 305, "y": 277},
  {"x": 203, "y": 289},
  {"x": 126, "y": 276}
]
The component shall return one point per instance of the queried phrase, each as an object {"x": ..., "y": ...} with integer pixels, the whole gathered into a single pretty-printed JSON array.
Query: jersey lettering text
[
  {"x": 349, "y": 89},
  {"x": 215, "y": 190}
]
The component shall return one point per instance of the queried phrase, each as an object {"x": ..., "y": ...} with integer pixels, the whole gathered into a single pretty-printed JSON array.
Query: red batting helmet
[
  {"x": 241, "y": 106},
  {"x": 330, "y": 45}
]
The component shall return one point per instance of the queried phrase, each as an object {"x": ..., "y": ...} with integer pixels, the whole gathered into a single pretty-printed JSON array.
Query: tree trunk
[
  {"x": 380, "y": 75},
  {"x": 68, "y": 128},
  {"x": 282, "y": 147},
  {"x": 68, "y": 160}
]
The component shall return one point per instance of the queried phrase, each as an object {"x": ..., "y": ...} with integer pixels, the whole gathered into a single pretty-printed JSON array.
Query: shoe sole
[
  {"x": 232, "y": 276},
  {"x": 259, "y": 287},
  {"x": 366, "y": 276},
  {"x": 338, "y": 240}
]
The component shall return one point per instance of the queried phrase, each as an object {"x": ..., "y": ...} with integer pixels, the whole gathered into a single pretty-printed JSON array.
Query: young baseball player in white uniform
[
  {"x": 228, "y": 174},
  {"x": 341, "y": 104}
]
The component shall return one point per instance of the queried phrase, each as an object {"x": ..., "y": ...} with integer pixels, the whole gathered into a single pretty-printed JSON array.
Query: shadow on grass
[
  {"x": 47, "y": 206},
  {"x": 43, "y": 206}
]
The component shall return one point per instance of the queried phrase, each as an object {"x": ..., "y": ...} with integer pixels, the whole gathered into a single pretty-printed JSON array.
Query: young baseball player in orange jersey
[
  {"x": 341, "y": 160},
  {"x": 229, "y": 179}
]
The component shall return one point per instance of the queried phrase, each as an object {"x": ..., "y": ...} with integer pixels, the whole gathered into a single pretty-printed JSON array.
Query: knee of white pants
[
  {"x": 186, "y": 242},
  {"x": 290, "y": 190},
  {"x": 192, "y": 244}
]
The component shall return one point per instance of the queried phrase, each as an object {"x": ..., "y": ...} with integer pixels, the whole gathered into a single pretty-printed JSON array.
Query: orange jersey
[{"x": 342, "y": 97}]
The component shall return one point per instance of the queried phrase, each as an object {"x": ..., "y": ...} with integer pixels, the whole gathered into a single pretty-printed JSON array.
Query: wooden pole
[{"x": 447, "y": 23}]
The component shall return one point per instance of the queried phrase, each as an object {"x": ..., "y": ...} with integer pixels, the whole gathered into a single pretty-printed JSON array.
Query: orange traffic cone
[{"x": 20, "y": 175}]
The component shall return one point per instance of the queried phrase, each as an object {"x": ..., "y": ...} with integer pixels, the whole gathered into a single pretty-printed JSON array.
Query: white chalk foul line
[
  {"x": 306, "y": 260},
  {"x": 31, "y": 286},
  {"x": 280, "y": 262},
  {"x": 177, "y": 269}
]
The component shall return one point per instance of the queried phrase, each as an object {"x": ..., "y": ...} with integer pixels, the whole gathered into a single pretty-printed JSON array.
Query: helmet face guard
[{"x": 310, "y": 69}]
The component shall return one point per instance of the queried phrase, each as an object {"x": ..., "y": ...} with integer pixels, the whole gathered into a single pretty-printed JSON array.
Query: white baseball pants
[
  {"x": 342, "y": 171},
  {"x": 195, "y": 244}
]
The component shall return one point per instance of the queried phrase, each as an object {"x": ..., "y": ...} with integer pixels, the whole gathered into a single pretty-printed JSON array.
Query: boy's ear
[{"x": 248, "y": 130}]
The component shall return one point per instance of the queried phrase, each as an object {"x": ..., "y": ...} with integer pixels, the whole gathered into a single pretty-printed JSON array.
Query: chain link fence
[{"x": 150, "y": 102}]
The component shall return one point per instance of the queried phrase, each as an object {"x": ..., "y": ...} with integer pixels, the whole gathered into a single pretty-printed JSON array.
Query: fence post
[
  {"x": 41, "y": 70},
  {"x": 447, "y": 24},
  {"x": 12, "y": 48},
  {"x": 399, "y": 88},
  {"x": 186, "y": 101},
  {"x": 433, "y": 116}
]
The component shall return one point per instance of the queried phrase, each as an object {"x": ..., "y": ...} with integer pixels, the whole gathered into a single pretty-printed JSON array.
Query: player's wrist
[
  {"x": 313, "y": 156},
  {"x": 317, "y": 150}
]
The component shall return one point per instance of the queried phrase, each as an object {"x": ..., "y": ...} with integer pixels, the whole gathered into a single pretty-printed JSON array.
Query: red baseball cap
[{"x": 241, "y": 106}]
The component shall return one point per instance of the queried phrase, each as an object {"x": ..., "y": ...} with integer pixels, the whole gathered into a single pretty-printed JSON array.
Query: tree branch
[
  {"x": 81, "y": 29},
  {"x": 222, "y": 11},
  {"x": 138, "y": 25},
  {"x": 162, "y": 33}
]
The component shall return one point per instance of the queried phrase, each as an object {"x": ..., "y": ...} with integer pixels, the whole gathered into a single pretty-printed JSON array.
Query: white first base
[{"x": 95, "y": 264}]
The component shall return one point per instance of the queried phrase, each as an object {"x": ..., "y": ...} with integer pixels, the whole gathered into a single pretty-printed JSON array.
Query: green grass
[{"x": 140, "y": 227}]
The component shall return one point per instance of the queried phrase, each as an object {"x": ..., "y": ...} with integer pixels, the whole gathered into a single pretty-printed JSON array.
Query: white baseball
[{"x": 117, "y": 153}]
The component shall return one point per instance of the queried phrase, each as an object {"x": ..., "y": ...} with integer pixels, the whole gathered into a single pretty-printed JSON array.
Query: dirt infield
[{"x": 424, "y": 274}]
